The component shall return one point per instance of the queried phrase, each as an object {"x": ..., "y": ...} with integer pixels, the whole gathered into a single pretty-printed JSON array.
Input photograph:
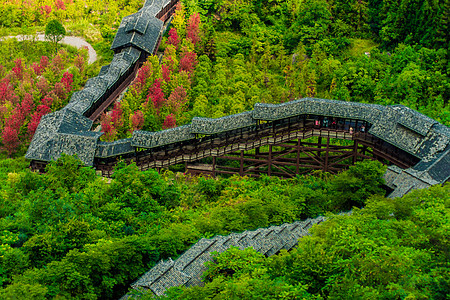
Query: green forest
[{"x": 72, "y": 234}]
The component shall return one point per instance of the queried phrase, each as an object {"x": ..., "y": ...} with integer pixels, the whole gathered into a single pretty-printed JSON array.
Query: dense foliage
[
  {"x": 222, "y": 57},
  {"x": 391, "y": 249},
  {"x": 70, "y": 233},
  {"x": 30, "y": 90}
]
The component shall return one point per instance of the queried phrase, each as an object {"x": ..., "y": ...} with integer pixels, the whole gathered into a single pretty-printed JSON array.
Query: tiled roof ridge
[{"x": 202, "y": 249}]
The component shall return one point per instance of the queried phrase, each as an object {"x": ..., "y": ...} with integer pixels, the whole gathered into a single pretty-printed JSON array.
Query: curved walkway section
[
  {"x": 189, "y": 267},
  {"x": 68, "y": 40}
]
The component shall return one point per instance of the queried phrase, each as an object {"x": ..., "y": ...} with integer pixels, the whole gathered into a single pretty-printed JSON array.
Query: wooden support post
[
  {"x": 319, "y": 146},
  {"x": 214, "y": 167},
  {"x": 297, "y": 167},
  {"x": 241, "y": 164},
  {"x": 325, "y": 165},
  {"x": 269, "y": 161},
  {"x": 355, "y": 151}
]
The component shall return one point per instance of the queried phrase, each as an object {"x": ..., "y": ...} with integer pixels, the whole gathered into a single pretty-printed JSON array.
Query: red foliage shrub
[
  {"x": 177, "y": 99},
  {"x": 137, "y": 120},
  {"x": 18, "y": 69},
  {"x": 37, "y": 69},
  {"x": 116, "y": 115},
  {"x": 192, "y": 30},
  {"x": 165, "y": 73},
  {"x": 108, "y": 127},
  {"x": 7, "y": 92},
  {"x": 46, "y": 10},
  {"x": 169, "y": 122},
  {"x": 67, "y": 81},
  {"x": 141, "y": 78},
  {"x": 188, "y": 62},
  {"x": 47, "y": 101},
  {"x": 15, "y": 120},
  {"x": 60, "y": 90},
  {"x": 57, "y": 64},
  {"x": 27, "y": 104},
  {"x": 36, "y": 118},
  {"x": 79, "y": 63},
  {"x": 60, "y": 4},
  {"x": 156, "y": 95},
  {"x": 43, "y": 86},
  {"x": 173, "y": 38},
  {"x": 10, "y": 138}
]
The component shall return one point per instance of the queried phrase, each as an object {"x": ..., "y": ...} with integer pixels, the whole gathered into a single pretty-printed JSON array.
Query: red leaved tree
[
  {"x": 43, "y": 86},
  {"x": 67, "y": 81},
  {"x": 18, "y": 69},
  {"x": 36, "y": 68},
  {"x": 165, "y": 73},
  {"x": 169, "y": 122},
  {"x": 156, "y": 94},
  {"x": 78, "y": 62},
  {"x": 41, "y": 110},
  {"x": 7, "y": 92},
  {"x": 108, "y": 128},
  {"x": 116, "y": 116},
  {"x": 173, "y": 38},
  {"x": 137, "y": 120},
  {"x": 177, "y": 100},
  {"x": 60, "y": 91},
  {"x": 188, "y": 62},
  {"x": 10, "y": 138},
  {"x": 10, "y": 134},
  {"x": 193, "y": 28},
  {"x": 47, "y": 101},
  {"x": 46, "y": 10},
  {"x": 141, "y": 78},
  {"x": 60, "y": 4},
  {"x": 27, "y": 104}
]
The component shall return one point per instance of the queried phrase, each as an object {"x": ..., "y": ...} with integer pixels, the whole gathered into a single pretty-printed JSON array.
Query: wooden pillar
[
  {"x": 214, "y": 167},
  {"x": 325, "y": 165},
  {"x": 319, "y": 146},
  {"x": 241, "y": 164},
  {"x": 297, "y": 167},
  {"x": 355, "y": 151},
  {"x": 269, "y": 160}
]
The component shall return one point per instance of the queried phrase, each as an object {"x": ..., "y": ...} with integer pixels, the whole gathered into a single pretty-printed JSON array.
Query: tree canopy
[{"x": 54, "y": 31}]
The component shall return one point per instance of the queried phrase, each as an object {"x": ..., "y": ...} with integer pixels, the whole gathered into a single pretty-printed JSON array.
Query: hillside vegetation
[{"x": 70, "y": 234}]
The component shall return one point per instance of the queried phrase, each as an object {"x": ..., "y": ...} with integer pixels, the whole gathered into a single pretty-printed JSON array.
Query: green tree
[{"x": 54, "y": 32}]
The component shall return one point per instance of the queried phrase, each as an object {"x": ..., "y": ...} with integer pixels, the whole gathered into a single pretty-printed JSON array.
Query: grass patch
[
  {"x": 29, "y": 51},
  {"x": 359, "y": 46}
]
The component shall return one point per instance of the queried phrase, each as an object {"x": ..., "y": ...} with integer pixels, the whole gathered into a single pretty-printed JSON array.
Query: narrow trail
[{"x": 68, "y": 40}]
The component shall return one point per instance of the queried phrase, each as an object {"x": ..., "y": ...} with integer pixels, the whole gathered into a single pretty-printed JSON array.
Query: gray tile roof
[
  {"x": 218, "y": 125},
  {"x": 63, "y": 131},
  {"x": 140, "y": 30},
  {"x": 189, "y": 267},
  {"x": 161, "y": 138},
  {"x": 116, "y": 148}
]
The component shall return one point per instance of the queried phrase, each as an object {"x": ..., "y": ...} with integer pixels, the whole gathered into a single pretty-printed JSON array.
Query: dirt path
[{"x": 68, "y": 40}]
